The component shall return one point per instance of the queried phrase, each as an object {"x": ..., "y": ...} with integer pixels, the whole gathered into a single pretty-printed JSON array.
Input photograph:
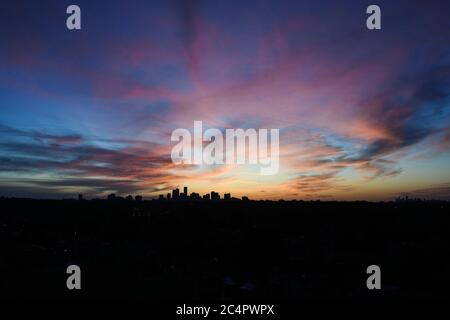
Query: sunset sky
[{"x": 362, "y": 114}]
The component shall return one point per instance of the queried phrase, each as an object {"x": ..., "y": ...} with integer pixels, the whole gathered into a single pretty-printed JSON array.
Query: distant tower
[
  {"x": 215, "y": 195},
  {"x": 168, "y": 196},
  {"x": 194, "y": 196},
  {"x": 175, "y": 193},
  {"x": 161, "y": 197},
  {"x": 80, "y": 197},
  {"x": 185, "y": 191}
]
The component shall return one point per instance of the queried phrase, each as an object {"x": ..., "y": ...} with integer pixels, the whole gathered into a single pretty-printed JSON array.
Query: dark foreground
[{"x": 224, "y": 250}]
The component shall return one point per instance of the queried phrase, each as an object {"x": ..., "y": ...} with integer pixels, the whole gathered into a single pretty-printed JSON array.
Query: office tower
[
  {"x": 194, "y": 196},
  {"x": 175, "y": 193},
  {"x": 215, "y": 195}
]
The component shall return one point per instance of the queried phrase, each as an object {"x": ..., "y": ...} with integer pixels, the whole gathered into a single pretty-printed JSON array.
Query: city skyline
[{"x": 363, "y": 114}]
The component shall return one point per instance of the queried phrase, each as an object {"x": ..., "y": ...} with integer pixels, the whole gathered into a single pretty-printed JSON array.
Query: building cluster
[
  {"x": 113, "y": 196},
  {"x": 177, "y": 195}
]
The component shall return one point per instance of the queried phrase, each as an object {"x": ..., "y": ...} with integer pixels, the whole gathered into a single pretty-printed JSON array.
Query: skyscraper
[{"x": 215, "y": 195}]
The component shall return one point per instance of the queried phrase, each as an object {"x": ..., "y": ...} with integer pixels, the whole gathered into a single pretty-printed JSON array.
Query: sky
[{"x": 363, "y": 114}]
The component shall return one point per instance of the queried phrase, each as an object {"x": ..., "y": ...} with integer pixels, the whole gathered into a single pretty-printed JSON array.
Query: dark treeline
[{"x": 224, "y": 249}]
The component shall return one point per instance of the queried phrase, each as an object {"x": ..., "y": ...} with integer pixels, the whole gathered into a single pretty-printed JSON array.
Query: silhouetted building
[
  {"x": 80, "y": 197},
  {"x": 168, "y": 196},
  {"x": 161, "y": 197},
  {"x": 215, "y": 195},
  {"x": 175, "y": 193},
  {"x": 227, "y": 196},
  {"x": 195, "y": 196},
  {"x": 185, "y": 191}
]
